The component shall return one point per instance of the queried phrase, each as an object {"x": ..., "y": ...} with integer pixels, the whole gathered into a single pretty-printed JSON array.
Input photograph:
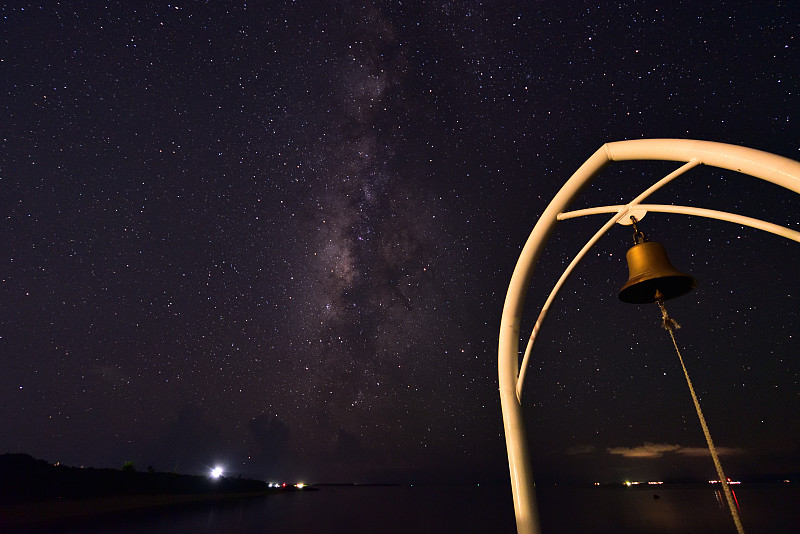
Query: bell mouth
[
  {"x": 651, "y": 276},
  {"x": 646, "y": 291}
]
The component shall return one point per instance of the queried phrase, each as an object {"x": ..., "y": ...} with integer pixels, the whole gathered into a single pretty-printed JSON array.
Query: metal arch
[{"x": 770, "y": 167}]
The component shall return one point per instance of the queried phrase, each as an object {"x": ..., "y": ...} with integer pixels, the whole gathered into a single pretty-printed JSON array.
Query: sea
[{"x": 666, "y": 509}]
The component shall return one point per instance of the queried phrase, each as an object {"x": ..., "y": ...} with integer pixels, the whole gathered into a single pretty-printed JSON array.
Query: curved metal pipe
[
  {"x": 776, "y": 169},
  {"x": 758, "y": 224}
]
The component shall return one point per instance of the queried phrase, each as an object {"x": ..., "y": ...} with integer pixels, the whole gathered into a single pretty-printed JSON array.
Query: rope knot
[{"x": 667, "y": 322}]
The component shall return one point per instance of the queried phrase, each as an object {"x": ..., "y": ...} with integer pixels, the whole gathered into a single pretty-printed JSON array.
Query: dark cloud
[
  {"x": 272, "y": 437},
  {"x": 188, "y": 444}
]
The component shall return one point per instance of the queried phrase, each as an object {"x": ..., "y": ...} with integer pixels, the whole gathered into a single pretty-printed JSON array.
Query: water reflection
[{"x": 354, "y": 510}]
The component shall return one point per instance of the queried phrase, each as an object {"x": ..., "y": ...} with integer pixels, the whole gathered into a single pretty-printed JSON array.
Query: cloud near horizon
[
  {"x": 578, "y": 450},
  {"x": 657, "y": 450}
]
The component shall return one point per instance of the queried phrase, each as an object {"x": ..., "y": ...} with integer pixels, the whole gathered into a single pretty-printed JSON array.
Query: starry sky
[{"x": 277, "y": 236}]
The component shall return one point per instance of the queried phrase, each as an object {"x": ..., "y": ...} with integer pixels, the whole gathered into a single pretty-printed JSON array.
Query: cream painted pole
[{"x": 522, "y": 485}]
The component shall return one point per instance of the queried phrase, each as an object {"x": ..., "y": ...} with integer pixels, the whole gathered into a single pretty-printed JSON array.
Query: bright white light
[
  {"x": 300, "y": 485},
  {"x": 216, "y": 472}
]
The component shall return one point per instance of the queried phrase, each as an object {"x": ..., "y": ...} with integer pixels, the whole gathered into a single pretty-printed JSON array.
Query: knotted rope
[{"x": 670, "y": 325}]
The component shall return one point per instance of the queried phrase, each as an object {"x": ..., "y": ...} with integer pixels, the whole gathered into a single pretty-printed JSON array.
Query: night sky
[{"x": 277, "y": 236}]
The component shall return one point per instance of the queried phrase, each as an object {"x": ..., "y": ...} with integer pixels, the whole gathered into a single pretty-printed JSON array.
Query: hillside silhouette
[{"x": 27, "y": 479}]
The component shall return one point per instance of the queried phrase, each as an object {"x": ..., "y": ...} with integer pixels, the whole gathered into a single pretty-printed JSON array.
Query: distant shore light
[{"x": 216, "y": 472}]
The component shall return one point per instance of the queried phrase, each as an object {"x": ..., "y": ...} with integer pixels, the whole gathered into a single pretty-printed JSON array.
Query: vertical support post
[
  {"x": 510, "y": 377},
  {"x": 522, "y": 485}
]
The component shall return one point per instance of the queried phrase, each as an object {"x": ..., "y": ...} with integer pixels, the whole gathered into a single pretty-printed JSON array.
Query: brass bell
[{"x": 651, "y": 276}]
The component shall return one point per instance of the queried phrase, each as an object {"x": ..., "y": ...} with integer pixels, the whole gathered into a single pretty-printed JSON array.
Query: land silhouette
[{"x": 35, "y": 492}]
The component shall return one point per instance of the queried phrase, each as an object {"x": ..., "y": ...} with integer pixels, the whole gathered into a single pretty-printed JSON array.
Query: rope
[{"x": 670, "y": 325}]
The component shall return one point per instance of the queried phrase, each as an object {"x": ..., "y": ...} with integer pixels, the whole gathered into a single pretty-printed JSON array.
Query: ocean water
[{"x": 461, "y": 509}]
